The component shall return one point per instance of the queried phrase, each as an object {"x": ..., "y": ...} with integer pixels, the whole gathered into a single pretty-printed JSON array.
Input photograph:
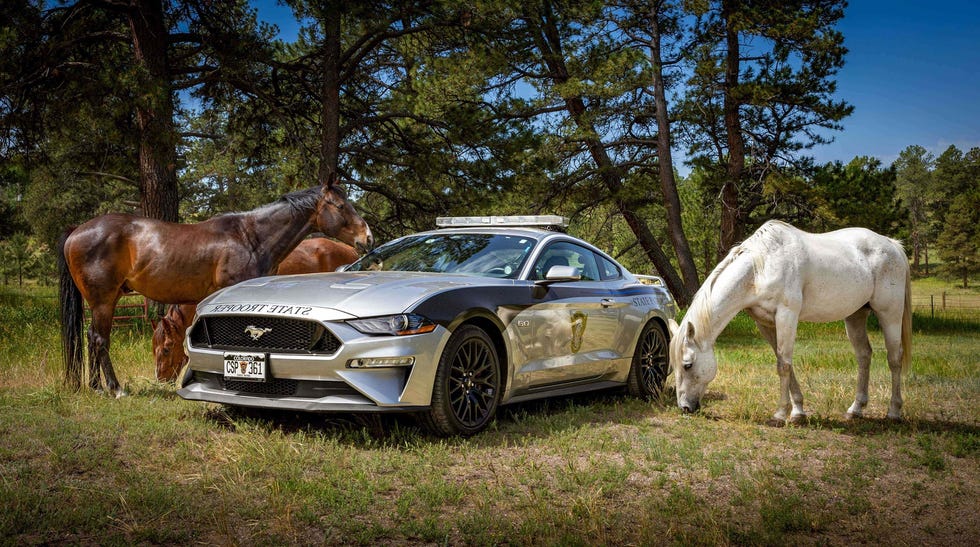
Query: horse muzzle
[
  {"x": 364, "y": 241},
  {"x": 364, "y": 247},
  {"x": 689, "y": 407}
]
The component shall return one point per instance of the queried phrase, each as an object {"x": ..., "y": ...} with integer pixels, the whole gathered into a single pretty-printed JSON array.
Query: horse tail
[
  {"x": 907, "y": 322},
  {"x": 72, "y": 319}
]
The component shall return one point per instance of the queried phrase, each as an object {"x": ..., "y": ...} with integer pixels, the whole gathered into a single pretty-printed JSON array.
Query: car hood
[{"x": 357, "y": 294}]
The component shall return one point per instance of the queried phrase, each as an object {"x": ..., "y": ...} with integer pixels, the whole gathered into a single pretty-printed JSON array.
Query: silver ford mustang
[{"x": 449, "y": 324}]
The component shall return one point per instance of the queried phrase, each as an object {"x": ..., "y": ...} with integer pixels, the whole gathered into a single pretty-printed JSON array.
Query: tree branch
[{"x": 108, "y": 175}]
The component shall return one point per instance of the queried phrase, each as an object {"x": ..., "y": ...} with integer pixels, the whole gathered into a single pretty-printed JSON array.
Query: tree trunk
[
  {"x": 549, "y": 44},
  {"x": 665, "y": 160},
  {"x": 732, "y": 221},
  {"x": 915, "y": 250},
  {"x": 330, "y": 97},
  {"x": 612, "y": 179},
  {"x": 155, "y": 113}
]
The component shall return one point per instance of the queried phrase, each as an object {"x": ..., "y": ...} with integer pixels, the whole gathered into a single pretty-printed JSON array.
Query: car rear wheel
[
  {"x": 650, "y": 363},
  {"x": 467, "y": 385}
]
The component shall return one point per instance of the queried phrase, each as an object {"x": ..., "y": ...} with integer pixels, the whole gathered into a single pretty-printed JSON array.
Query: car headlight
[{"x": 394, "y": 325}]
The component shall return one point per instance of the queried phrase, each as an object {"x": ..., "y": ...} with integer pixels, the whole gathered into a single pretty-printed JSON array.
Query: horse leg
[
  {"x": 99, "y": 342},
  {"x": 769, "y": 333},
  {"x": 790, "y": 394},
  {"x": 891, "y": 327},
  {"x": 856, "y": 326}
]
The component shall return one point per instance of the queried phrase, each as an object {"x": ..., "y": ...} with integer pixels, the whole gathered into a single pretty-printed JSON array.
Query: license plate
[{"x": 245, "y": 366}]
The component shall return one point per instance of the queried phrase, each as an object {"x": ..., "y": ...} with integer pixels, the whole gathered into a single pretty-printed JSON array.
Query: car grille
[
  {"x": 273, "y": 386},
  {"x": 281, "y": 334}
]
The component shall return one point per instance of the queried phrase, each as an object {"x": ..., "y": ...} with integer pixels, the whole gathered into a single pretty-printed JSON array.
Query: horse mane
[
  {"x": 300, "y": 200},
  {"x": 759, "y": 244},
  {"x": 699, "y": 312}
]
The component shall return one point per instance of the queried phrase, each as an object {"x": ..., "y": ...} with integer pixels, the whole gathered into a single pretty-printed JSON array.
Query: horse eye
[{"x": 687, "y": 366}]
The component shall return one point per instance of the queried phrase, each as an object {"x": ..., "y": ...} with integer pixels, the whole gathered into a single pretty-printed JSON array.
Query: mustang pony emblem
[{"x": 255, "y": 332}]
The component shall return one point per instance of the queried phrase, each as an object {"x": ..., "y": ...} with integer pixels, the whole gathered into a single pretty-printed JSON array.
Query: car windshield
[{"x": 487, "y": 255}]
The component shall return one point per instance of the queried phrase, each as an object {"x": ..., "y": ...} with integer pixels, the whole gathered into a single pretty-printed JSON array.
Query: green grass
[{"x": 594, "y": 469}]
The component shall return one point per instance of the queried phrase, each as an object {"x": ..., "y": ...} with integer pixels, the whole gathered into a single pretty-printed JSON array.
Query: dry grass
[{"x": 597, "y": 469}]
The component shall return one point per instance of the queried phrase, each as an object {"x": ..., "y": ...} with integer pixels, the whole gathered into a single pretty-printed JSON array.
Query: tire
[
  {"x": 467, "y": 386},
  {"x": 651, "y": 362}
]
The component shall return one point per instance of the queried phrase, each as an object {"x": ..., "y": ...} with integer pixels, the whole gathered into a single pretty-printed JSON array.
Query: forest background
[{"x": 184, "y": 110}]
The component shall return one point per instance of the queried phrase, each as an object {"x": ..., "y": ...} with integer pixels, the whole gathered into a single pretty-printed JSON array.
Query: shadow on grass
[
  {"x": 153, "y": 389},
  {"x": 535, "y": 419},
  {"x": 944, "y": 324},
  {"x": 742, "y": 330},
  {"x": 868, "y": 427},
  {"x": 341, "y": 426},
  {"x": 871, "y": 427}
]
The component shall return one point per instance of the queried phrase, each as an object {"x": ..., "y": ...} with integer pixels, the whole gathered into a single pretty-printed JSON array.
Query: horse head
[
  {"x": 694, "y": 367},
  {"x": 168, "y": 349},
  {"x": 336, "y": 217}
]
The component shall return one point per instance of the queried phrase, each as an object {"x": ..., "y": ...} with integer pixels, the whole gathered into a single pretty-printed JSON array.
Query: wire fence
[{"x": 947, "y": 305}]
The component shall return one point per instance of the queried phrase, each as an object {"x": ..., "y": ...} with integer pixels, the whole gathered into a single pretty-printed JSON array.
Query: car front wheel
[
  {"x": 467, "y": 385},
  {"x": 650, "y": 363}
]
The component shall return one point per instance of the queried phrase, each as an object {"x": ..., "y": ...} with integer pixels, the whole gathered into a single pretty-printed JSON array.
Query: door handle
[{"x": 607, "y": 302}]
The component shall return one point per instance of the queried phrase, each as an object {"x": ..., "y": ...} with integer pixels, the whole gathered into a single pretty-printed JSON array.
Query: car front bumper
[{"x": 326, "y": 383}]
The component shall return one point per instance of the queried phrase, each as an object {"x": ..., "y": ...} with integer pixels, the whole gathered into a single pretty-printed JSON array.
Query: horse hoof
[
  {"x": 799, "y": 419},
  {"x": 849, "y": 416},
  {"x": 121, "y": 393},
  {"x": 775, "y": 422}
]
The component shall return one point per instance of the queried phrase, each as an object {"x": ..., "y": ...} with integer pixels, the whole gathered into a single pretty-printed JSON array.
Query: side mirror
[
  {"x": 563, "y": 273},
  {"x": 556, "y": 274}
]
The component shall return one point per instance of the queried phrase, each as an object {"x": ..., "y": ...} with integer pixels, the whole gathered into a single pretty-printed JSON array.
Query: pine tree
[
  {"x": 916, "y": 189},
  {"x": 959, "y": 242}
]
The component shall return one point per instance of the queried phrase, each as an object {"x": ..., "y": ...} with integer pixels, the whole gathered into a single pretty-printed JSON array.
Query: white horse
[{"x": 781, "y": 275}]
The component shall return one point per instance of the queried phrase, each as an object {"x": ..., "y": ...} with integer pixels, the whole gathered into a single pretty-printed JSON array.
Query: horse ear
[
  {"x": 690, "y": 331},
  {"x": 332, "y": 180}
]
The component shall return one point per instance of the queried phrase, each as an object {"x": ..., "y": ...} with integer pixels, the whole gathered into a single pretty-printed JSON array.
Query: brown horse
[
  {"x": 312, "y": 255},
  {"x": 182, "y": 263},
  {"x": 318, "y": 254}
]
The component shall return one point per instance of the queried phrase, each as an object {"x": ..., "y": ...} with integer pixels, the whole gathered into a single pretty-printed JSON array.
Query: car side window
[
  {"x": 565, "y": 253},
  {"x": 607, "y": 268}
]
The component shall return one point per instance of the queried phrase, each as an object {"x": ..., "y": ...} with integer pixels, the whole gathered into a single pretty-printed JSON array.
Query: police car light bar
[{"x": 518, "y": 220}]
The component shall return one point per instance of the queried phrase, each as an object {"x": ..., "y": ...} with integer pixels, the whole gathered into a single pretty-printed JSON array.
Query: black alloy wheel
[
  {"x": 651, "y": 363},
  {"x": 467, "y": 385}
]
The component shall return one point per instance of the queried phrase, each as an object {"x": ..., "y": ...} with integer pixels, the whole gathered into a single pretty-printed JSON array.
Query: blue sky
[{"x": 912, "y": 74}]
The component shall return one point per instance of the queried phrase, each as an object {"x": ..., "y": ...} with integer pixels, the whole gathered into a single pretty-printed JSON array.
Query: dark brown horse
[
  {"x": 312, "y": 255},
  {"x": 114, "y": 254}
]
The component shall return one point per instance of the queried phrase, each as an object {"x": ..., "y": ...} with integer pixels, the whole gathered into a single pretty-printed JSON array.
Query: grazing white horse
[{"x": 781, "y": 275}]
